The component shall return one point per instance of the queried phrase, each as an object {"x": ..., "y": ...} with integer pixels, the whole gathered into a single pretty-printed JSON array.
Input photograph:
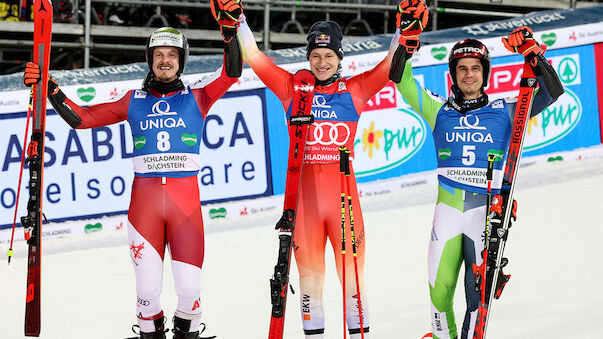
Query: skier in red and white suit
[
  {"x": 337, "y": 105},
  {"x": 167, "y": 120}
]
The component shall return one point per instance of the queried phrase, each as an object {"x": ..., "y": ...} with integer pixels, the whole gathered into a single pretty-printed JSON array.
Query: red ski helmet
[
  {"x": 169, "y": 37},
  {"x": 469, "y": 48}
]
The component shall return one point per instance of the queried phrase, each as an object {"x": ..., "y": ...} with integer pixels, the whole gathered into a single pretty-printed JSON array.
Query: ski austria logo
[
  {"x": 386, "y": 139},
  {"x": 554, "y": 122}
]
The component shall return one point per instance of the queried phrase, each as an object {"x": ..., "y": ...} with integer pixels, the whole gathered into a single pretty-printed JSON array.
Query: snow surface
[{"x": 554, "y": 252}]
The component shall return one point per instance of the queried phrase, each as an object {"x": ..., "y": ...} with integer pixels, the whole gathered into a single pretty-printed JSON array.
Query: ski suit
[
  {"x": 463, "y": 142},
  {"x": 336, "y": 109},
  {"x": 165, "y": 205}
]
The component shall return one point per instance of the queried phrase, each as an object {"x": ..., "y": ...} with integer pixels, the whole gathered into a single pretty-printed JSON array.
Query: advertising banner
[
  {"x": 392, "y": 139},
  {"x": 89, "y": 172},
  {"x": 244, "y": 146}
]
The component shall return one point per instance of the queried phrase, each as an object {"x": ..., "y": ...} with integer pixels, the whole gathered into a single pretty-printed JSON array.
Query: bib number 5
[{"x": 468, "y": 155}]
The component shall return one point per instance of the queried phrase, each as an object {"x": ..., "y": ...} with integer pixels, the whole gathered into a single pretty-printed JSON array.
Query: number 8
[{"x": 163, "y": 141}]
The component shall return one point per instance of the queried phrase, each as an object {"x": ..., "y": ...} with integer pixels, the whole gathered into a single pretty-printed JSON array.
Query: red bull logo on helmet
[{"x": 322, "y": 39}]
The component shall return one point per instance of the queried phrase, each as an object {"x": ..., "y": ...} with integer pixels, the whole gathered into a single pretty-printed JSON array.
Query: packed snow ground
[{"x": 554, "y": 252}]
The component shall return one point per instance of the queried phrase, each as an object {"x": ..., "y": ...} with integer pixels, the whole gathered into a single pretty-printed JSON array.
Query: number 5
[{"x": 468, "y": 155}]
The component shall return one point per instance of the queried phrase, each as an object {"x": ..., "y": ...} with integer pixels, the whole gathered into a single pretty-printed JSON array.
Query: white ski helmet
[
  {"x": 170, "y": 37},
  {"x": 469, "y": 48}
]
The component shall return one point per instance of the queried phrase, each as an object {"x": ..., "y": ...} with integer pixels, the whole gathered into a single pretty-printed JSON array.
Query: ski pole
[
  {"x": 342, "y": 167},
  {"x": 353, "y": 238},
  {"x": 12, "y": 235},
  {"x": 481, "y": 271}
]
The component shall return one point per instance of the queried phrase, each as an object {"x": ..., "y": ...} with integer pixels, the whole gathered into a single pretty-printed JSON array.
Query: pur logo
[{"x": 555, "y": 122}]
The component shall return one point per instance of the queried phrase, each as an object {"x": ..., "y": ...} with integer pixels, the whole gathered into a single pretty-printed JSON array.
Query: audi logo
[{"x": 336, "y": 133}]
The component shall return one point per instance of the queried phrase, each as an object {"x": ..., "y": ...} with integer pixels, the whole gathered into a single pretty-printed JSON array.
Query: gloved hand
[
  {"x": 32, "y": 74},
  {"x": 521, "y": 40},
  {"x": 53, "y": 87},
  {"x": 411, "y": 18},
  {"x": 226, "y": 13}
]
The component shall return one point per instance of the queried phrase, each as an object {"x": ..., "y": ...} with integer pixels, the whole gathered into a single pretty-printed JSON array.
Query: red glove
[
  {"x": 411, "y": 18},
  {"x": 226, "y": 13},
  {"x": 521, "y": 40},
  {"x": 32, "y": 74}
]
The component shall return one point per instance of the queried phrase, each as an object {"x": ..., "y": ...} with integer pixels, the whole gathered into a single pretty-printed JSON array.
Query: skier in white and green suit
[{"x": 466, "y": 128}]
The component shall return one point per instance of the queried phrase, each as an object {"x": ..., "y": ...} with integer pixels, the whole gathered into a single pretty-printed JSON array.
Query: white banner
[{"x": 89, "y": 172}]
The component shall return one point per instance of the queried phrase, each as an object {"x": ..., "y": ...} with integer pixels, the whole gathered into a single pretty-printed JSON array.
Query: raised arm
[
  {"x": 521, "y": 40},
  {"x": 365, "y": 85},
  {"x": 75, "y": 115},
  {"x": 422, "y": 101},
  {"x": 411, "y": 18},
  {"x": 208, "y": 90},
  {"x": 275, "y": 78}
]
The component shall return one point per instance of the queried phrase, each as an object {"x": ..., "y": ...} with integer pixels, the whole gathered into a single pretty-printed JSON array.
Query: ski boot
[
  {"x": 181, "y": 327},
  {"x": 159, "y": 333}
]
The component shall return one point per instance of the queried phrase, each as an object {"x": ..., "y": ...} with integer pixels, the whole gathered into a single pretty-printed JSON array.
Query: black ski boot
[
  {"x": 181, "y": 327},
  {"x": 159, "y": 333}
]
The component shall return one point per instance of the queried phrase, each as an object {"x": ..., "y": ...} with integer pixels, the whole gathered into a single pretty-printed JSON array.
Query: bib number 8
[
  {"x": 163, "y": 141},
  {"x": 468, "y": 155}
]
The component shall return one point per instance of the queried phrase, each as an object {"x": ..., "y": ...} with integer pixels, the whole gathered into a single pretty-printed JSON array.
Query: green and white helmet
[{"x": 170, "y": 37}]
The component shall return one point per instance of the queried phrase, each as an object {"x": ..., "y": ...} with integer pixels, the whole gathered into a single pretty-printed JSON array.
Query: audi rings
[{"x": 334, "y": 137}]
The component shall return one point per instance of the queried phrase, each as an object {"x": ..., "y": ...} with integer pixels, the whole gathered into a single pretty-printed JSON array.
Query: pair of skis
[
  {"x": 32, "y": 222},
  {"x": 490, "y": 279},
  {"x": 299, "y": 123}
]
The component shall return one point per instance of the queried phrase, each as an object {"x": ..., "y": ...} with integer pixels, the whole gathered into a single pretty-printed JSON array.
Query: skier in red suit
[
  {"x": 337, "y": 105},
  {"x": 167, "y": 120}
]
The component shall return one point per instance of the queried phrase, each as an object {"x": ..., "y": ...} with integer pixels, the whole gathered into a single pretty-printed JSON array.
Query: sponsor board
[
  {"x": 74, "y": 228},
  {"x": 235, "y": 160},
  {"x": 554, "y": 122},
  {"x": 89, "y": 172},
  {"x": 391, "y": 138}
]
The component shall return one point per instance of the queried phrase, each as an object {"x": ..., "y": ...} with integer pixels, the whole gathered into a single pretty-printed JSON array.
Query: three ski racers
[{"x": 165, "y": 209}]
